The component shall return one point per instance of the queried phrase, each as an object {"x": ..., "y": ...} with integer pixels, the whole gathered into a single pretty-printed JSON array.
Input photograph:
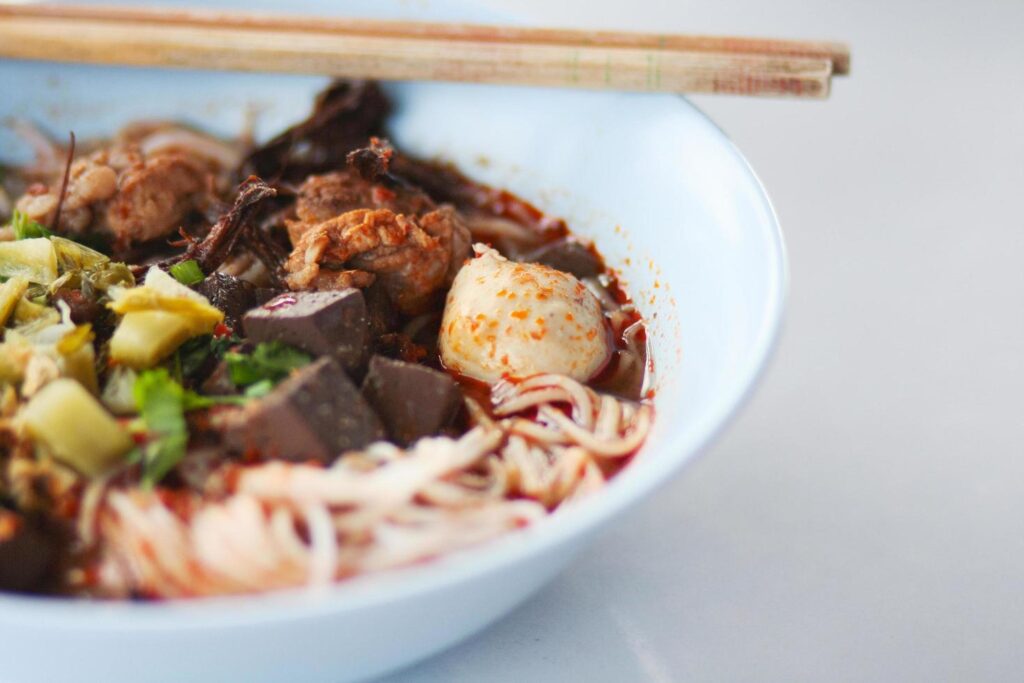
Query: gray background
[{"x": 862, "y": 520}]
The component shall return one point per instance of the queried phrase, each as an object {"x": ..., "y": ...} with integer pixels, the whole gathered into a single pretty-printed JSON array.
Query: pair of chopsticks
[{"x": 391, "y": 50}]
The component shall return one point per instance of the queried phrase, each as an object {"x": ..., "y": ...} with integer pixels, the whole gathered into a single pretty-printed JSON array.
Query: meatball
[{"x": 505, "y": 319}]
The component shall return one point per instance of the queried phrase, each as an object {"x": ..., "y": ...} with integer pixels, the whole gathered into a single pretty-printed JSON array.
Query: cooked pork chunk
[
  {"x": 413, "y": 256},
  {"x": 323, "y": 197},
  {"x": 354, "y": 226},
  {"x": 132, "y": 191}
]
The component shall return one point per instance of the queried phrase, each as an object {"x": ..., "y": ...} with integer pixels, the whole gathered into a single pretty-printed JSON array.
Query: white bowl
[{"x": 669, "y": 201}]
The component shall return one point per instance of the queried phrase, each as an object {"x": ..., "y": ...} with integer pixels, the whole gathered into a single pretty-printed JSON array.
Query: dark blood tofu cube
[
  {"x": 316, "y": 414},
  {"x": 265, "y": 294},
  {"x": 412, "y": 400},
  {"x": 568, "y": 256},
  {"x": 321, "y": 323}
]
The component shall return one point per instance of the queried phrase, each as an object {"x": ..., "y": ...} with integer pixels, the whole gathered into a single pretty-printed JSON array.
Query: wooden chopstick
[
  {"x": 837, "y": 53},
  {"x": 411, "y": 50}
]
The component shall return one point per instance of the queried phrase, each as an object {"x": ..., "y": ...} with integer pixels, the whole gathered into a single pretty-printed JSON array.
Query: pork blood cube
[
  {"x": 411, "y": 400},
  {"x": 316, "y": 414},
  {"x": 331, "y": 323}
]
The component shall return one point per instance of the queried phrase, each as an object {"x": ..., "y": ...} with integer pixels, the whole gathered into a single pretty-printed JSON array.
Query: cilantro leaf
[
  {"x": 162, "y": 404},
  {"x": 162, "y": 401},
  {"x": 269, "y": 362}
]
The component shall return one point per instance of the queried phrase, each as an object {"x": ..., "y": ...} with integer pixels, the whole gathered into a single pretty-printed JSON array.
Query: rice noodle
[
  {"x": 489, "y": 227},
  {"x": 598, "y": 289},
  {"x": 92, "y": 500},
  {"x": 284, "y": 524},
  {"x": 603, "y": 425}
]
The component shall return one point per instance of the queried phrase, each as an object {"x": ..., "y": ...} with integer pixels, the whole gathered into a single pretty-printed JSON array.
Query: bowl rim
[{"x": 397, "y": 585}]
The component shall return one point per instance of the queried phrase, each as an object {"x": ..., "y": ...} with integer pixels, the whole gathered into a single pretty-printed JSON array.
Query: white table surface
[{"x": 863, "y": 520}]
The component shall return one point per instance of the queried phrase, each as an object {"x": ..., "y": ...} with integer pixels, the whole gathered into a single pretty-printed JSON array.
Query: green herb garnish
[
  {"x": 269, "y": 362},
  {"x": 258, "y": 389},
  {"x": 162, "y": 401},
  {"x": 187, "y": 272},
  {"x": 26, "y": 228},
  {"x": 193, "y": 355},
  {"x": 162, "y": 404}
]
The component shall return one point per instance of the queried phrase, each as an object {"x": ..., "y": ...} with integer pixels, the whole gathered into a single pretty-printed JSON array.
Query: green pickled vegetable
[
  {"x": 106, "y": 276},
  {"x": 75, "y": 339},
  {"x": 157, "y": 318},
  {"x": 10, "y": 294},
  {"x": 26, "y": 311},
  {"x": 72, "y": 256},
  {"x": 78, "y": 357},
  {"x": 13, "y": 359},
  {"x": 74, "y": 427},
  {"x": 119, "y": 392},
  {"x": 34, "y": 259},
  {"x": 163, "y": 293},
  {"x": 144, "y": 338}
]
